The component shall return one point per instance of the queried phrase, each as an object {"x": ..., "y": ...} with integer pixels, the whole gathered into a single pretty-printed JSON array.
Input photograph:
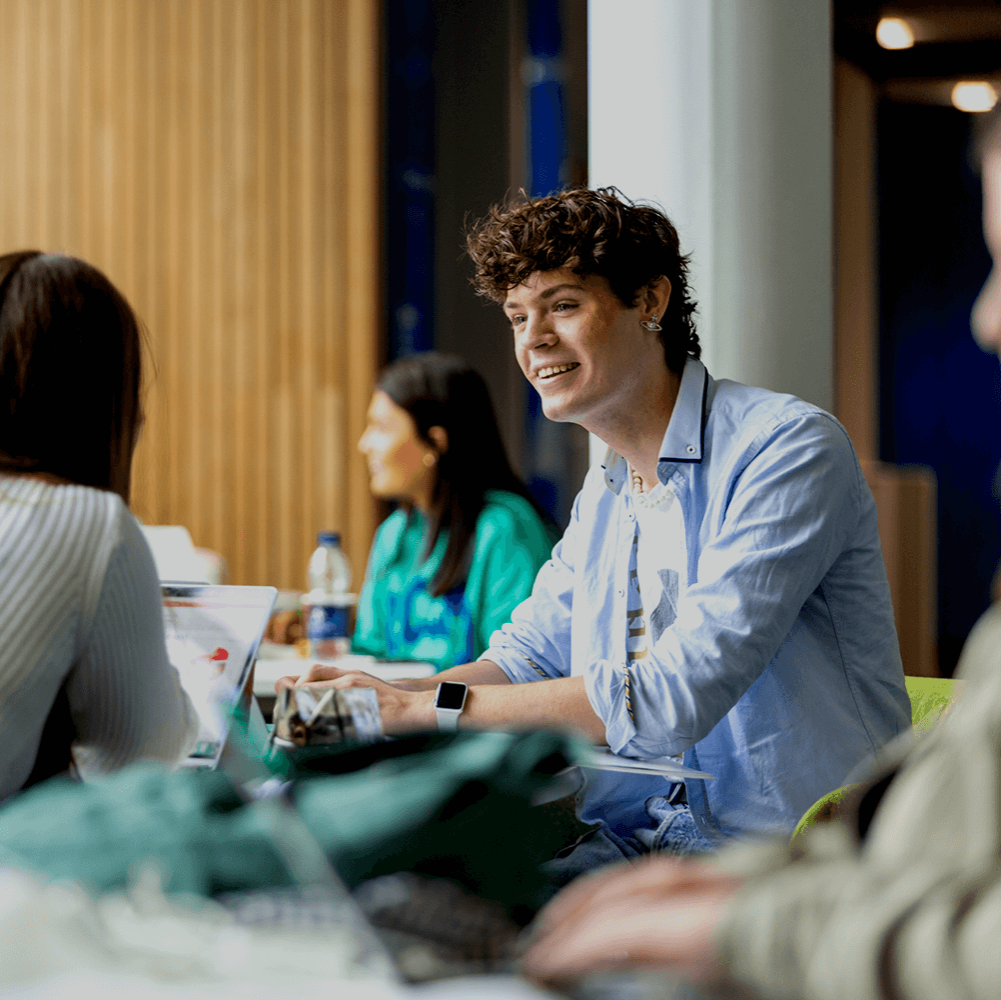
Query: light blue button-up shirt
[{"x": 780, "y": 672}]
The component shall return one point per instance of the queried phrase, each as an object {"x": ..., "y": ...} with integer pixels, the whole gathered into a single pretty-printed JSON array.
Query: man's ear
[
  {"x": 655, "y": 297},
  {"x": 438, "y": 436}
]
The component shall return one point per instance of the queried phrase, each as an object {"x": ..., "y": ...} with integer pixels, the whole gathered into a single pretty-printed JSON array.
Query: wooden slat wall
[
  {"x": 856, "y": 307},
  {"x": 218, "y": 159}
]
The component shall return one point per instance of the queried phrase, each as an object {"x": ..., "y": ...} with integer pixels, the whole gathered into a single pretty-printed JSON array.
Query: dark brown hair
[
  {"x": 592, "y": 233},
  {"x": 441, "y": 390},
  {"x": 70, "y": 372}
]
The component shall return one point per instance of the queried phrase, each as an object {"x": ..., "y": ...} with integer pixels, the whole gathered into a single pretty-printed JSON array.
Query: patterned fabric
[
  {"x": 399, "y": 619},
  {"x": 660, "y": 556},
  {"x": 80, "y": 604},
  {"x": 780, "y": 672}
]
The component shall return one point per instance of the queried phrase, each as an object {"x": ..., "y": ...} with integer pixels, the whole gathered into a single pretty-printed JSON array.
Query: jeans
[{"x": 672, "y": 832}]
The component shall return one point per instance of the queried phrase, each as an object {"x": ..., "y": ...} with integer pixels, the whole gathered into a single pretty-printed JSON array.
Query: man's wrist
[
  {"x": 449, "y": 703},
  {"x": 421, "y": 715}
]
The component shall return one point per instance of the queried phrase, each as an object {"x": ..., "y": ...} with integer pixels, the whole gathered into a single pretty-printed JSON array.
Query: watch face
[{"x": 450, "y": 695}]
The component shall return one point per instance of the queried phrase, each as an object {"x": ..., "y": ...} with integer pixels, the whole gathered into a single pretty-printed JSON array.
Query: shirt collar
[{"x": 686, "y": 430}]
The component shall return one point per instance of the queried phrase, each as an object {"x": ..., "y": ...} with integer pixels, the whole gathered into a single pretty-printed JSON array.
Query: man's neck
[{"x": 638, "y": 434}]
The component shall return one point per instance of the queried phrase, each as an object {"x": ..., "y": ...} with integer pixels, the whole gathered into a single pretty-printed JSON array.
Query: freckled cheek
[{"x": 522, "y": 360}]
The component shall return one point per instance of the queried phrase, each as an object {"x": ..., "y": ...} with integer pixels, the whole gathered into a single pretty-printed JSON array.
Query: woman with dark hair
[
  {"x": 83, "y": 660},
  {"x": 448, "y": 567}
]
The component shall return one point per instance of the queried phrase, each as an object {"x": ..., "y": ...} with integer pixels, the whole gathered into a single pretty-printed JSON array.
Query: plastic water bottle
[{"x": 328, "y": 603}]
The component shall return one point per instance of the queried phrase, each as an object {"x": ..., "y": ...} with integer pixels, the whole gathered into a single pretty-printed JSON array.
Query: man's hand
[
  {"x": 493, "y": 701},
  {"x": 319, "y": 672},
  {"x": 401, "y": 710},
  {"x": 656, "y": 913}
]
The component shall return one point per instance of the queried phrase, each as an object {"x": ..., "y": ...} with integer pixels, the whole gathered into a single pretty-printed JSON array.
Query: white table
[{"x": 274, "y": 661}]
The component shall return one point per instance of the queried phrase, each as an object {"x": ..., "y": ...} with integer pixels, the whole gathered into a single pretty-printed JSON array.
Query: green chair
[{"x": 930, "y": 697}]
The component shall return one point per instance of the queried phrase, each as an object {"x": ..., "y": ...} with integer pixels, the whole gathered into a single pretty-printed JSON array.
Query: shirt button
[
  {"x": 690, "y": 449},
  {"x": 621, "y": 593}
]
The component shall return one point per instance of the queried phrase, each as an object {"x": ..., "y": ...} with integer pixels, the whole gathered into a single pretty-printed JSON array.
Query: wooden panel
[
  {"x": 906, "y": 505},
  {"x": 855, "y": 286},
  {"x": 219, "y": 161}
]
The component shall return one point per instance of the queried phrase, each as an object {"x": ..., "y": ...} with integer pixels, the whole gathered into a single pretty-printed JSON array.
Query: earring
[
  {"x": 429, "y": 459},
  {"x": 651, "y": 324}
]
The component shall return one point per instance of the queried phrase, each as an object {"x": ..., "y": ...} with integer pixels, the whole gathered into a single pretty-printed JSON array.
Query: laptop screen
[{"x": 213, "y": 634}]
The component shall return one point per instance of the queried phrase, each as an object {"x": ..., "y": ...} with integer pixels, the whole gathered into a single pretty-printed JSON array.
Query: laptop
[{"x": 213, "y": 635}]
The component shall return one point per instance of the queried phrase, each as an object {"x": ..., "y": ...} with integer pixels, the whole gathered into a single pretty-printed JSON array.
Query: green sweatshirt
[{"x": 397, "y": 617}]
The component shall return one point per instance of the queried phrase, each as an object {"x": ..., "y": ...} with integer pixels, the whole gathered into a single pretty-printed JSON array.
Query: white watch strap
[{"x": 448, "y": 719}]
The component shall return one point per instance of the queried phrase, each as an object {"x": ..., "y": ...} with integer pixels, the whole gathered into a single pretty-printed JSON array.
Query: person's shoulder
[
  {"x": 744, "y": 412},
  {"x": 78, "y": 506},
  {"x": 389, "y": 533},
  {"x": 74, "y": 529},
  {"x": 503, "y": 506},
  {"x": 505, "y": 512},
  {"x": 735, "y": 397}
]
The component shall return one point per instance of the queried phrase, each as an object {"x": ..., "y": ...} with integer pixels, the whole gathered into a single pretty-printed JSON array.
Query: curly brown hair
[{"x": 591, "y": 232}]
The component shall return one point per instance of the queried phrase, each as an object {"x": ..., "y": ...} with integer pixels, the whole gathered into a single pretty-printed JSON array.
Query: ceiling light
[
  {"x": 894, "y": 33},
  {"x": 971, "y": 95}
]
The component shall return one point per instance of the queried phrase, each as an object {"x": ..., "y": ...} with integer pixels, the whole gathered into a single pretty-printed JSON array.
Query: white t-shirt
[
  {"x": 80, "y": 603},
  {"x": 661, "y": 559}
]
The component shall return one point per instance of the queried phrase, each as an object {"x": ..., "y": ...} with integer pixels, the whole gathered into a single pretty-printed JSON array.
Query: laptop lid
[{"x": 213, "y": 634}]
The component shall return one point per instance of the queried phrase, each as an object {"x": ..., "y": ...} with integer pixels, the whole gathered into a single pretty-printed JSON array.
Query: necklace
[
  {"x": 655, "y": 498},
  {"x": 637, "y": 482}
]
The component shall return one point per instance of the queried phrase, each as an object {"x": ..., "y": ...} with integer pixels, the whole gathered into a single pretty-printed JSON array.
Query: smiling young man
[
  {"x": 720, "y": 591},
  {"x": 901, "y": 898}
]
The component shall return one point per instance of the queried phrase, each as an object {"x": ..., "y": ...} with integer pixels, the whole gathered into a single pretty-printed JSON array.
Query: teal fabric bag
[
  {"x": 453, "y": 806},
  {"x": 449, "y": 806},
  {"x": 192, "y": 826}
]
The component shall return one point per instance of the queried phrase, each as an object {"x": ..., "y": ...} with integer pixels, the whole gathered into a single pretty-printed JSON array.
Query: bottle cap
[{"x": 328, "y": 538}]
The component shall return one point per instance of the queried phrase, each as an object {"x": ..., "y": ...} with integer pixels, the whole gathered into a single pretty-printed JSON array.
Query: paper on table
[{"x": 669, "y": 767}]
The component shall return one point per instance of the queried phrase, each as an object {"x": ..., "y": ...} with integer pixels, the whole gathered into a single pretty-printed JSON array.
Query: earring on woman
[
  {"x": 651, "y": 324},
  {"x": 429, "y": 459}
]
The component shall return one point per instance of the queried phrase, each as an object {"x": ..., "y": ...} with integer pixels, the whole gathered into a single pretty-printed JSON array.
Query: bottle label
[{"x": 327, "y": 630}]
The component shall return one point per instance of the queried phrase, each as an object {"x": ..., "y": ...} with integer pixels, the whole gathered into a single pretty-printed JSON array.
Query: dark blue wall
[{"x": 409, "y": 178}]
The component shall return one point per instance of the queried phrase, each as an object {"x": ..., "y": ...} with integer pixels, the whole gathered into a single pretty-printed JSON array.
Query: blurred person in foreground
[
  {"x": 901, "y": 899},
  {"x": 720, "y": 591},
  {"x": 83, "y": 659},
  {"x": 449, "y": 566}
]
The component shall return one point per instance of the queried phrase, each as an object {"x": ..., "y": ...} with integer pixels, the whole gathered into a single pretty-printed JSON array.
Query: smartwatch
[{"x": 449, "y": 701}]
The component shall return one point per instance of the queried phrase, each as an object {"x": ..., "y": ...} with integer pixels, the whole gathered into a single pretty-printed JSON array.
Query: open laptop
[{"x": 213, "y": 634}]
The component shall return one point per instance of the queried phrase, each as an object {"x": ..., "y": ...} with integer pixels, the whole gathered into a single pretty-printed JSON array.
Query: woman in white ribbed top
[{"x": 82, "y": 649}]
